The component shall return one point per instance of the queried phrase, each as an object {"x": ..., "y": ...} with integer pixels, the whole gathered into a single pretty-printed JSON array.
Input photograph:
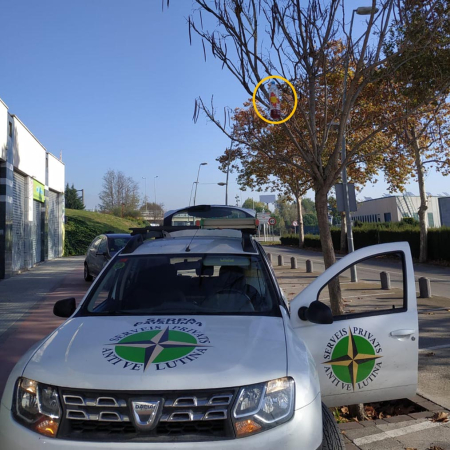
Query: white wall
[
  {"x": 433, "y": 207},
  {"x": 378, "y": 206},
  {"x": 29, "y": 153},
  {"x": 391, "y": 205},
  {"x": 56, "y": 176},
  {"x": 3, "y": 129}
]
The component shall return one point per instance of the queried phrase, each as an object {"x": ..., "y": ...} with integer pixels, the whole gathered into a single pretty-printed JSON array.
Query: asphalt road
[{"x": 438, "y": 275}]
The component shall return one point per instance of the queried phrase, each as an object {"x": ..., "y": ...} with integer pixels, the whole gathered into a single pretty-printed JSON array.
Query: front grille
[{"x": 182, "y": 416}]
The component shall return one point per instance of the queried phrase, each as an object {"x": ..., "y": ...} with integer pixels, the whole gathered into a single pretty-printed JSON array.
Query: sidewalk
[
  {"x": 33, "y": 285},
  {"x": 414, "y": 431}
]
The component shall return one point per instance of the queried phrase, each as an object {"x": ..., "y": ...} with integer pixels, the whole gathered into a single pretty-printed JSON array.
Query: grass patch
[{"x": 82, "y": 226}]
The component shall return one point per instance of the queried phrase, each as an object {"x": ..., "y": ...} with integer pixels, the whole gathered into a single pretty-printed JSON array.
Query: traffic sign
[
  {"x": 272, "y": 221},
  {"x": 263, "y": 217},
  {"x": 294, "y": 223}
]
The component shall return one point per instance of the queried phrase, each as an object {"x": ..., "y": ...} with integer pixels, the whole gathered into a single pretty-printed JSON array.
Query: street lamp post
[
  {"x": 196, "y": 183},
  {"x": 154, "y": 186},
  {"x": 362, "y": 11},
  {"x": 228, "y": 172},
  {"x": 190, "y": 196},
  {"x": 145, "y": 193},
  {"x": 82, "y": 195}
]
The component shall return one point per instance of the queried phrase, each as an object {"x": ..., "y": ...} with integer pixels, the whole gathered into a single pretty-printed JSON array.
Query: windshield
[
  {"x": 190, "y": 216},
  {"x": 173, "y": 284},
  {"x": 115, "y": 244}
]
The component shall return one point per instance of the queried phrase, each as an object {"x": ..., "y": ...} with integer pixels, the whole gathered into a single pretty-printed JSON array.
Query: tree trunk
[
  {"x": 343, "y": 233},
  {"x": 329, "y": 257},
  {"x": 357, "y": 411},
  {"x": 301, "y": 232},
  {"x": 423, "y": 204}
]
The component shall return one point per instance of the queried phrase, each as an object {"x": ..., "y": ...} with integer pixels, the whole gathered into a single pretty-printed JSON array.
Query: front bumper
[{"x": 303, "y": 431}]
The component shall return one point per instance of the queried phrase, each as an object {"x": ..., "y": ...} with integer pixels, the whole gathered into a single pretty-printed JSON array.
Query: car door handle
[{"x": 399, "y": 334}]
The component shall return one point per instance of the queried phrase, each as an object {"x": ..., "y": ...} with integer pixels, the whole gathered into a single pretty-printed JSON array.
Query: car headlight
[
  {"x": 262, "y": 406},
  {"x": 37, "y": 406}
]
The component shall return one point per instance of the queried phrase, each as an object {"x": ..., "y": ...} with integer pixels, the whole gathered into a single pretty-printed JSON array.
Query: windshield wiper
[{"x": 112, "y": 313}]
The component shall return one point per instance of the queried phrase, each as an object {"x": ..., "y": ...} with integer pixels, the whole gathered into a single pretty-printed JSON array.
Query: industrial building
[
  {"x": 32, "y": 184},
  {"x": 393, "y": 208}
]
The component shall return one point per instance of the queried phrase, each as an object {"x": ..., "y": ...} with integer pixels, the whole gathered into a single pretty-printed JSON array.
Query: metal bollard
[
  {"x": 269, "y": 257},
  {"x": 293, "y": 262},
  {"x": 309, "y": 266},
  {"x": 424, "y": 287},
  {"x": 280, "y": 260},
  {"x": 385, "y": 280}
]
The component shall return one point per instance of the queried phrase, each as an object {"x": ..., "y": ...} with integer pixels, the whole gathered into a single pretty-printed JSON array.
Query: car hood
[{"x": 136, "y": 352}]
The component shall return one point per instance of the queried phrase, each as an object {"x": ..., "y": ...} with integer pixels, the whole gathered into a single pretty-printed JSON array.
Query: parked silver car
[{"x": 101, "y": 250}]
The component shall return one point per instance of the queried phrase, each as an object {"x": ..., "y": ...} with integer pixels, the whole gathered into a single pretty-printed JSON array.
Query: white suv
[{"x": 186, "y": 342}]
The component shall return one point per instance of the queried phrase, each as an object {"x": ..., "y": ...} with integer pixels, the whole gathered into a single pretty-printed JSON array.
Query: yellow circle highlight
[{"x": 295, "y": 99}]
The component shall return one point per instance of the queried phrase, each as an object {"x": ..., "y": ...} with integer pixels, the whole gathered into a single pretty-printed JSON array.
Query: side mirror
[
  {"x": 65, "y": 307},
  {"x": 105, "y": 254},
  {"x": 316, "y": 312}
]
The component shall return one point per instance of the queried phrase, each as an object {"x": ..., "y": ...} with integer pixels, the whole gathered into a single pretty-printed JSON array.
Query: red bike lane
[{"x": 38, "y": 323}]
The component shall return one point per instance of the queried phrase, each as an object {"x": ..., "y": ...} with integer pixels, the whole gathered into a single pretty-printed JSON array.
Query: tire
[
  {"x": 332, "y": 436},
  {"x": 87, "y": 275}
]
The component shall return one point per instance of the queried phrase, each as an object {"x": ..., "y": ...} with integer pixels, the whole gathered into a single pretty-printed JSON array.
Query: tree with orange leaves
[{"x": 297, "y": 40}]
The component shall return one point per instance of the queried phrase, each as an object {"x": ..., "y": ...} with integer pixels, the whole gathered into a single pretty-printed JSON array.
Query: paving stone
[
  {"x": 417, "y": 398},
  {"x": 385, "y": 444},
  {"x": 428, "y": 405},
  {"x": 421, "y": 415},
  {"x": 379, "y": 421},
  {"x": 437, "y": 408},
  {"x": 351, "y": 446},
  {"x": 396, "y": 419},
  {"x": 349, "y": 425},
  {"x": 368, "y": 423},
  {"x": 396, "y": 425},
  {"x": 426, "y": 439},
  {"x": 362, "y": 432}
]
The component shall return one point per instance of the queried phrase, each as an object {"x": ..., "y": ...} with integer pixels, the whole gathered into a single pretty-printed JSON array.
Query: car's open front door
[{"x": 370, "y": 352}]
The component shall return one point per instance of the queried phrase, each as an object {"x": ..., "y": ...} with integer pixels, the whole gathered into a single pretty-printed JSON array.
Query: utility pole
[
  {"x": 196, "y": 183},
  {"x": 145, "y": 196},
  {"x": 362, "y": 11}
]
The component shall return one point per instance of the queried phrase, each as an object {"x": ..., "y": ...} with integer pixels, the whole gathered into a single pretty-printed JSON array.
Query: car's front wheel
[
  {"x": 87, "y": 275},
  {"x": 332, "y": 436}
]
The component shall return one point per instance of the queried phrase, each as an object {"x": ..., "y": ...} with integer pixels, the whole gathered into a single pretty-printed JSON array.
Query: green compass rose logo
[
  {"x": 353, "y": 358},
  {"x": 156, "y": 346}
]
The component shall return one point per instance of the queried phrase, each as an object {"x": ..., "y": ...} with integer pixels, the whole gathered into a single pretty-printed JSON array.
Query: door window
[
  {"x": 379, "y": 289},
  {"x": 102, "y": 248},
  {"x": 95, "y": 244}
]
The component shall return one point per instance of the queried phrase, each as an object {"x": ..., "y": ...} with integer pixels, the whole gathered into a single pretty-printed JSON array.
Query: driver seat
[{"x": 231, "y": 278}]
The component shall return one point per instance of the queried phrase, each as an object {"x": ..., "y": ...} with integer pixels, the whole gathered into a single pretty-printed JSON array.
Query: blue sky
[{"x": 112, "y": 85}]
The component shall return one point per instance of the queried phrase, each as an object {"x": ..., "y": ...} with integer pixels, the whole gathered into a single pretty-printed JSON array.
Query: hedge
[
  {"x": 311, "y": 240},
  {"x": 438, "y": 239}
]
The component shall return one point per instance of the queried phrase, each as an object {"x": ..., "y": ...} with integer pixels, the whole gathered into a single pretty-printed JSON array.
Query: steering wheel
[{"x": 240, "y": 300}]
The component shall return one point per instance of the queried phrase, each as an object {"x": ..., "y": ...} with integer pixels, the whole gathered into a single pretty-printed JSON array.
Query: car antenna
[{"x": 188, "y": 248}]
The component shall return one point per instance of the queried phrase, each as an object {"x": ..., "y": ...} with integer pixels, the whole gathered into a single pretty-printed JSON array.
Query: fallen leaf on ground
[
  {"x": 430, "y": 354},
  {"x": 410, "y": 448},
  {"x": 440, "y": 417},
  {"x": 435, "y": 447},
  {"x": 370, "y": 411},
  {"x": 344, "y": 410}
]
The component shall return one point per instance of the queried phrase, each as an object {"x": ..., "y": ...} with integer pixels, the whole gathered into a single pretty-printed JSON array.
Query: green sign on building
[{"x": 38, "y": 191}]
